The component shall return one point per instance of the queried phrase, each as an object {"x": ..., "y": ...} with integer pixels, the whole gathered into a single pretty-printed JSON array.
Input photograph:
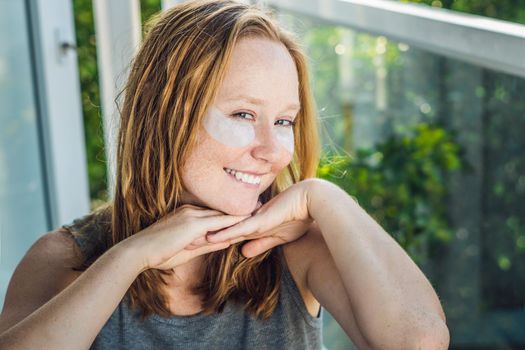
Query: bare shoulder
[
  {"x": 299, "y": 255},
  {"x": 44, "y": 271}
]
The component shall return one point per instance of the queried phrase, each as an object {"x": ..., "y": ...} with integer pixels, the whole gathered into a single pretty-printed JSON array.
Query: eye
[
  {"x": 285, "y": 122},
  {"x": 243, "y": 115}
]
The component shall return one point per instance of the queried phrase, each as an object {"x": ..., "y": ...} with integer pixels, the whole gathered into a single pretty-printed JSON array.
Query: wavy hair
[{"x": 172, "y": 82}]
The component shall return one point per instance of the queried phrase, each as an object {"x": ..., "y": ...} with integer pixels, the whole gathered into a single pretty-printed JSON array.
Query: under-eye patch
[
  {"x": 236, "y": 132},
  {"x": 227, "y": 130},
  {"x": 285, "y": 137}
]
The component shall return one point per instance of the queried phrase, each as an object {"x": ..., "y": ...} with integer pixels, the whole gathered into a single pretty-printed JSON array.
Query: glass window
[
  {"x": 23, "y": 215},
  {"x": 433, "y": 148}
]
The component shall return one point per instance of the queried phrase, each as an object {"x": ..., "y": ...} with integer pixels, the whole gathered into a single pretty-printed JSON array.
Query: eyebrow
[{"x": 259, "y": 102}]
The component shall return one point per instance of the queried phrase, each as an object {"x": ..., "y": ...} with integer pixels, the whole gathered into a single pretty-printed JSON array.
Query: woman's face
[{"x": 247, "y": 135}]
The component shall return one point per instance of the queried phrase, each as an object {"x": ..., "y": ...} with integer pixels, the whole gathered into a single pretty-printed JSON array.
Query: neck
[{"x": 186, "y": 275}]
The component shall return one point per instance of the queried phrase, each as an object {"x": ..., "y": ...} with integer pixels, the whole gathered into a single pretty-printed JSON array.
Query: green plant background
[{"x": 420, "y": 166}]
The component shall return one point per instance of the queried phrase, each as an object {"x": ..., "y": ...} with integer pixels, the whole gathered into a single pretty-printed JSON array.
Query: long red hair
[{"x": 172, "y": 82}]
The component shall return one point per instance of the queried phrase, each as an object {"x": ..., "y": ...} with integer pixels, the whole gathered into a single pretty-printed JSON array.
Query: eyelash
[{"x": 291, "y": 122}]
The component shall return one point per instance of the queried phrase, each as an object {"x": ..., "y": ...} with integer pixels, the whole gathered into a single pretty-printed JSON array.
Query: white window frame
[
  {"x": 118, "y": 33},
  {"x": 486, "y": 42},
  {"x": 59, "y": 109}
]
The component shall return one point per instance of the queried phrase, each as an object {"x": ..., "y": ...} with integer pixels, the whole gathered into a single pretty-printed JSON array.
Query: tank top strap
[{"x": 290, "y": 290}]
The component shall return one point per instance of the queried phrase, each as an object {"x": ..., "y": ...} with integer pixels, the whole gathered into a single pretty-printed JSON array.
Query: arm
[
  {"x": 374, "y": 290},
  {"x": 73, "y": 317},
  {"x": 353, "y": 267}
]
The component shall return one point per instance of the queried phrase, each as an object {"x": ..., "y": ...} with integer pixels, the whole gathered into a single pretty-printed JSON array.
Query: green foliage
[
  {"x": 149, "y": 8},
  {"x": 88, "y": 71},
  {"x": 401, "y": 182},
  {"x": 87, "y": 63},
  {"x": 509, "y": 10}
]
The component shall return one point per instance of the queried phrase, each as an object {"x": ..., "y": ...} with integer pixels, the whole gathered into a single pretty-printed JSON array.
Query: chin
[{"x": 238, "y": 208}]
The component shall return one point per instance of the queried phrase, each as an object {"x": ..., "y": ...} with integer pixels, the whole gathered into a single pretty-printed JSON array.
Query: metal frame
[
  {"x": 60, "y": 112},
  {"x": 490, "y": 43}
]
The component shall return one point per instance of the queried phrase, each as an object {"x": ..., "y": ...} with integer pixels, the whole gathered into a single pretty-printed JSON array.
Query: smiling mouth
[{"x": 243, "y": 177}]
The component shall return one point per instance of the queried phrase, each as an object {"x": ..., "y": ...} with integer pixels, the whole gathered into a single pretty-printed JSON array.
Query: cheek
[
  {"x": 195, "y": 169},
  {"x": 201, "y": 159},
  {"x": 285, "y": 160},
  {"x": 279, "y": 166},
  {"x": 285, "y": 137}
]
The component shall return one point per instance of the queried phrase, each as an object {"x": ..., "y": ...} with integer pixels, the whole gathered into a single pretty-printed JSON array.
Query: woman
[{"x": 218, "y": 235}]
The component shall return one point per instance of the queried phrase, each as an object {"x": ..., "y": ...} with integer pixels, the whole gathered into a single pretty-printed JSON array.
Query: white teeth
[{"x": 251, "y": 179}]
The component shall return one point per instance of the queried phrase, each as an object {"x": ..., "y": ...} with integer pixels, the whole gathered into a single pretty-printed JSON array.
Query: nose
[{"x": 266, "y": 145}]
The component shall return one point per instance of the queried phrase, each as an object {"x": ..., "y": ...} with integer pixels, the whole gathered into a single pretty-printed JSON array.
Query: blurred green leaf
[{"x": 401, "y": 182}]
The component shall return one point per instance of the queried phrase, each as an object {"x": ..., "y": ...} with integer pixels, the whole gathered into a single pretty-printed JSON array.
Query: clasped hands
[{"x": 283, "y": 219}]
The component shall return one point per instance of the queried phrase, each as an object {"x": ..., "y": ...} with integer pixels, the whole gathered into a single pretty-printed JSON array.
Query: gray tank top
[{"x": 289, "y": 327}]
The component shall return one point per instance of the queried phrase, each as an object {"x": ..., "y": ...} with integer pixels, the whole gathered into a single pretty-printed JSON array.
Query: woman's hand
[
  {"x": 283, "y": 219},
  {"x": 167, "y": 243}
]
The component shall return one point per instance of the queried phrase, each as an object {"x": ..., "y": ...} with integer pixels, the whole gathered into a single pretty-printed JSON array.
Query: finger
[
  {"x": 237, "y": 240},
  {"x": 209, "y": 248},
  {"x": 216, "y": 223},
  {"x": 244, "y": 228},
  {"x": 185, "y": 255},
  {"x": 199, "y": 211},
  {"x": 252, "y": 236},
  {"x": 260, "y": 245},
  {"x": 189, "y": 210},
  {"x": 200, "y": 241},
  {"x": 192, "y": 246}
]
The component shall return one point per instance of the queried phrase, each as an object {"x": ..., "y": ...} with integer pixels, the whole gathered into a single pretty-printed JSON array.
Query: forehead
[{"x": 261, "y": 68}]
